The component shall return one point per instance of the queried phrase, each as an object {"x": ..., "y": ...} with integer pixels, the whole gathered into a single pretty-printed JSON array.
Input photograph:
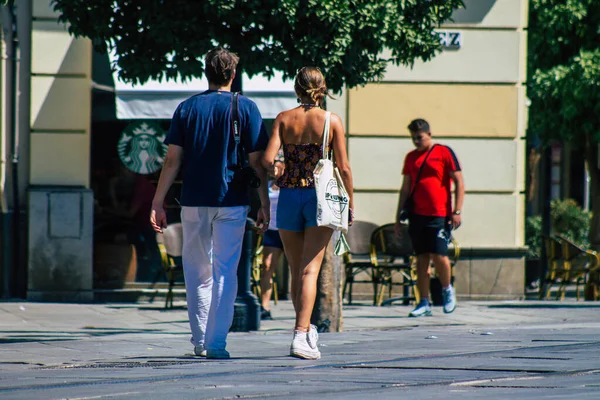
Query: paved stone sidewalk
[{"x": 499, "y": 350}]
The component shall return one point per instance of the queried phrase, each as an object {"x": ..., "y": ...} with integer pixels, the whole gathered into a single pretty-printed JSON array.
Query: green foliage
[
  {"x": 559, "y": 30},
  {"x": 571, "y": 221},
  {"x": 564, "y": 68},
  {"x": 352, "y": 41},
  {"x": 567, "y": 99},
  {"x": 568, "y": 219},
  {"x": 533, "y": 237}
]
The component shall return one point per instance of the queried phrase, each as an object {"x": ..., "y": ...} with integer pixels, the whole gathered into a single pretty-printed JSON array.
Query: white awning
[{"x": 155, "y": 100}]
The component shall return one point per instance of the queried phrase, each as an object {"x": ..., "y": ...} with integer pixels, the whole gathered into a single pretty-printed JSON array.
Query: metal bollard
[{"x": 246, "y": 315}]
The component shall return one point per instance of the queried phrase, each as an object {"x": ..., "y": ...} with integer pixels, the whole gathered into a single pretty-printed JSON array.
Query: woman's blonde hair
[{"x": 310, "y": 83}]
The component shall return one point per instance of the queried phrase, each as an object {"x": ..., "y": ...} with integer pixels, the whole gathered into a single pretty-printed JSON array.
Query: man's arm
[
  {"x": 459, "y": 196},
  {"x": 264, "y": 214},
  {"x": 170, "y": 169},
  {"x": 404, "y": 193},
  {"x": 273, "y": 146}
]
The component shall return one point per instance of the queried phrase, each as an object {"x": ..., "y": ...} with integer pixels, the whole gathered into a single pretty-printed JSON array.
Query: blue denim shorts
[
  {"x": 297, "y": 209},
  {"x": 271, "y": 238}
]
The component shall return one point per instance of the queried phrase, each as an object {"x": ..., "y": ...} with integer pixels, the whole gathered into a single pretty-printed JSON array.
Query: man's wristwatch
[{"x": 456, "y": 212}]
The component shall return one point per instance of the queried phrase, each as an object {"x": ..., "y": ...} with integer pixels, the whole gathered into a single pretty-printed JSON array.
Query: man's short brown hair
[
  {"x": 220, "y": 65},
  {"x": 419, "y": 125}
]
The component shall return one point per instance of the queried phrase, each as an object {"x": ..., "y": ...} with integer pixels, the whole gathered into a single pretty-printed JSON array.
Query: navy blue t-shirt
[{"x": 202, "y": 126}]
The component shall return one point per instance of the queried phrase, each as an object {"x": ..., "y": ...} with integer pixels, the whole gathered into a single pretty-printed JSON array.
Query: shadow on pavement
[
  {"x": 546, "y": 305},
  {"x": 8, "y": 340},
  {"x": 148, "y": 308},
  {"x": 61, "y": 336}
]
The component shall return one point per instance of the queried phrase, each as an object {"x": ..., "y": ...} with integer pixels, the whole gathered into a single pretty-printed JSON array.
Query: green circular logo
[{"x": 141, "y": 147}]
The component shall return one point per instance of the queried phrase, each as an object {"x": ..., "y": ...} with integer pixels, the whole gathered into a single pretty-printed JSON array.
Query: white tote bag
[{"x": 332, "y": 198}]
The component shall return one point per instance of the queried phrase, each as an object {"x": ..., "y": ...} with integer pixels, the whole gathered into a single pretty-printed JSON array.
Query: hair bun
[{"x": 310, "y": 83}]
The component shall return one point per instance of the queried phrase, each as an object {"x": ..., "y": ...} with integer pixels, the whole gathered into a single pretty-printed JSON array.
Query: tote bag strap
[{"x": 326, "y": 135}]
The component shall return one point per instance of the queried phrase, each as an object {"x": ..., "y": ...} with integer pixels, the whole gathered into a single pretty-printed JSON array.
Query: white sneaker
[
  {"x": 422, "y": 309},
  {"x": 313, "y": 335},
  {"x": 449, "y": 299},
  {"x": 200, "y": 351},
  {"x": 303, "y": 346}
]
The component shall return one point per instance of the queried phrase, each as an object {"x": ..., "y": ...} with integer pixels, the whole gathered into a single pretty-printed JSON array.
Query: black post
[
  {"x": 247, "y": 308},
  {"x": 546, "y": 195},
  {"x": 6, "y": 253}
]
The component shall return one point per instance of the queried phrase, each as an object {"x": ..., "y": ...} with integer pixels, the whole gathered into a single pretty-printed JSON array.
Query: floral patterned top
[{"x": 300, "y": 162}]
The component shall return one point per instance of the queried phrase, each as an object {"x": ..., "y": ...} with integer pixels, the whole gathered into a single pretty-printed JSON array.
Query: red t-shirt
[{"x": 432, "y": 196}]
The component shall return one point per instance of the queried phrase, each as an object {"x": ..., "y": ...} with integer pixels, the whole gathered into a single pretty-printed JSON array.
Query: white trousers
[{"x": 212, "y": 244}]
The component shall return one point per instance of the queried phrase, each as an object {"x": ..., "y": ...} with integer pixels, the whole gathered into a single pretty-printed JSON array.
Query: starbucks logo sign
[{"x": 141, "y": 147}]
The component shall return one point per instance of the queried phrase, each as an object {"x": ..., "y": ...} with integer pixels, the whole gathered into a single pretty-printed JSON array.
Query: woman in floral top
[{"x": 300, "y": 132}]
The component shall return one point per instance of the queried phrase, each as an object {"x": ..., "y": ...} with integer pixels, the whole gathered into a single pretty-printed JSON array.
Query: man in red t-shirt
[{"x": 428, "y": 172}]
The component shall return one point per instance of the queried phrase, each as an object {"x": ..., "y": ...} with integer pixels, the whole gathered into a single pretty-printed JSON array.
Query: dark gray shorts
[{"x": 429, "y": 234}]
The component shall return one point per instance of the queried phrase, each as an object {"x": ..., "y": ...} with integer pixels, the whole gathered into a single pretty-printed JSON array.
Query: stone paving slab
[{"x": 491, "y": 350}]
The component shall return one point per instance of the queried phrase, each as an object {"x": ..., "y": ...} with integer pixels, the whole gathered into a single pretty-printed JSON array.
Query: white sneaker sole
[
  {"x": 425, "y": 314},
  {"x": 449, "y": 311},
  {"x": 305, "y": 355}
]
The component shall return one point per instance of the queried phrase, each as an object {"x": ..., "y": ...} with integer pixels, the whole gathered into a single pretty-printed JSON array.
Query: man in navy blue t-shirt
[{"x": 214, "y": 205}]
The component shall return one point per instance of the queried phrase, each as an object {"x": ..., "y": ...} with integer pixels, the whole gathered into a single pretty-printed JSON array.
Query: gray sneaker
[
  {"x": 423, "y": 309},
  {"x": 221, "y": 354},
  {"x": 200, "y": 351},
  {"x": 449, "y": 299}
]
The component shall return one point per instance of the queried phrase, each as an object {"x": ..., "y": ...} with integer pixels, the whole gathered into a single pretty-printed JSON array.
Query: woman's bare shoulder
[
  {"x": 336, "y": 121},
  {"x": 285, "y": 116},
  {"x": 336, "y": 118},
  {"x": 287, "y": 113}
]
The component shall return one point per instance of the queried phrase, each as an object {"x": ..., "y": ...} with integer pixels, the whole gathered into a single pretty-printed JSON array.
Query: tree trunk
[
  {"x": 591, "y": 159},
  {"x": 592, "y": 289},
  {"x": 327, "y": 312},
  {"x": 595, "y": 225}
]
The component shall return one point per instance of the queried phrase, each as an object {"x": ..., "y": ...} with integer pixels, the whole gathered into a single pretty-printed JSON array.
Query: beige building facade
[
  {"x": 52, "y": 117},
  {"x": 473, "y": 95}
]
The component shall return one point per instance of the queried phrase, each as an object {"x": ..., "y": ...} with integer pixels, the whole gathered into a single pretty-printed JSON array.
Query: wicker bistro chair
[
  {"x": 170, "y": 244},
  {"x": 257, "y": 267},
  {"x": 358, "y": 259},
  {"x": 257, "y": 262},
  {"x": 555, "y": 265},
  {"x": 569, "y": 263},
  {"x": 389, "y": 253},
  {"x": 578, "y": 265}
]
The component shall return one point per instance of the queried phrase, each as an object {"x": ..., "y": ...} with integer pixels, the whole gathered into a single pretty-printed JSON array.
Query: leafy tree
[
  {"x": 351, "y": 40},
  {"x": 564, "y": 82}
]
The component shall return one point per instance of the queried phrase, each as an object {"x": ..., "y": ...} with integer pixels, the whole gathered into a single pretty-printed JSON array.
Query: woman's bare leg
[
  {"x": 316, "y": 240},
  {"x": 293, "y": 244},
  {"x": 271, "y": 256}
]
